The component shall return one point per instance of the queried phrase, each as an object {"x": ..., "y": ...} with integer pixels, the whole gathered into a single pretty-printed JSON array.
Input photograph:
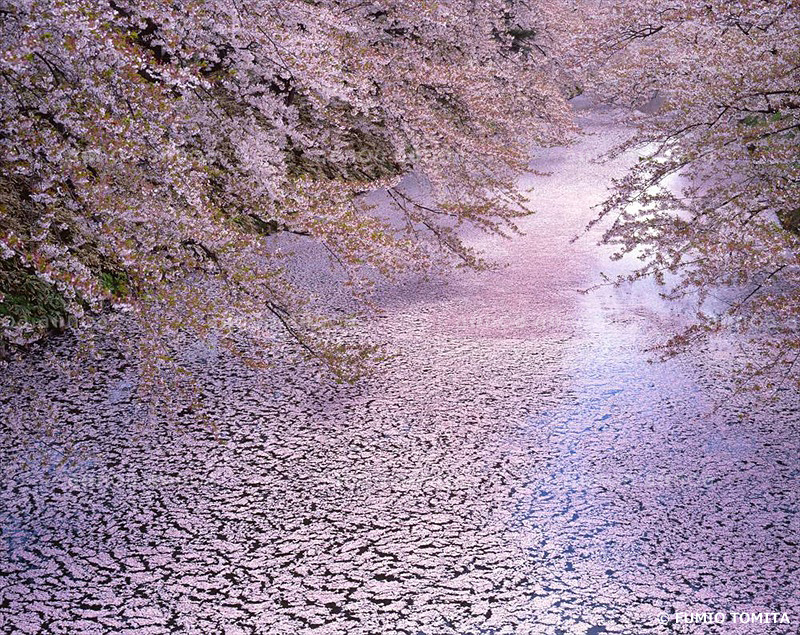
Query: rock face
[{"x": 518, "y": 468}]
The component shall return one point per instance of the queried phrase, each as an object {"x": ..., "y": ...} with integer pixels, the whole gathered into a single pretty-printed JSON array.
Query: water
[{"x": 518, "y": 468}]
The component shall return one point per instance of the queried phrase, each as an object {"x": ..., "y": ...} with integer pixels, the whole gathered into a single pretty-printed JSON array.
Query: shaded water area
[{"x": 519, "y": 467}]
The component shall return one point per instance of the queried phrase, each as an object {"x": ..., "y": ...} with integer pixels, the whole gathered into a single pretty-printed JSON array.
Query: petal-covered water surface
[{"x": 519, "y": 467}]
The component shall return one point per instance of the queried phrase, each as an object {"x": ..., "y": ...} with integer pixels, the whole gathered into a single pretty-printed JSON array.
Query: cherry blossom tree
[
  {"x": 164, "y": 157},
  {"x": 712, "y": 209}
]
